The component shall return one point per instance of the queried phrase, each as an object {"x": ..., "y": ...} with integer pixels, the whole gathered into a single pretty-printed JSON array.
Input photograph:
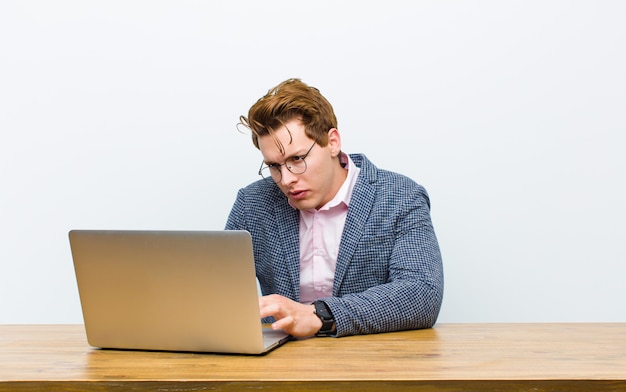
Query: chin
[{"x": 304, "y": 205}]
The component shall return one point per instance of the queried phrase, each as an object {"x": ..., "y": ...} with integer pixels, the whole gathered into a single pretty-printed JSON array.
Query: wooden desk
[{"x": 449, "y": 357}]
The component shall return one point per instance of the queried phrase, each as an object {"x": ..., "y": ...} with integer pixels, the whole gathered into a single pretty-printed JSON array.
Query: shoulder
[
  {"x": 258, "y": 200},
  {"x": 385, "y": 183},
  {"x": 259, "y": 208},
  {"x": 261, "y": 191}
]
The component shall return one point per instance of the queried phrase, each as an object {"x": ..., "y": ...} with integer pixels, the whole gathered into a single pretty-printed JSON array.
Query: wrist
[{"x": 328, "y": 325}]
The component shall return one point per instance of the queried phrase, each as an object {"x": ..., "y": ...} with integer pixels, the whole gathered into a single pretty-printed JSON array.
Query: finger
[
  {"x": 263, "y": 301},
  {"x": 269, "y": 299},
  {"x": 287, "y": 324},
  {"x": 271, "y": 309}
]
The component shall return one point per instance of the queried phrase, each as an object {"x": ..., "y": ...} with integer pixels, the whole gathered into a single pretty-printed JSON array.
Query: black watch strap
[{"x": 328, "y": 322}]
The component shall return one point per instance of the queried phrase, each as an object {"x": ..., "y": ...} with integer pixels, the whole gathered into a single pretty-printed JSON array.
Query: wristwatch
[{"x": 328, "y": 321}]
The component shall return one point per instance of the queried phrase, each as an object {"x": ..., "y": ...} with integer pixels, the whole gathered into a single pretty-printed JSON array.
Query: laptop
[{"x": 190, "y": 291}]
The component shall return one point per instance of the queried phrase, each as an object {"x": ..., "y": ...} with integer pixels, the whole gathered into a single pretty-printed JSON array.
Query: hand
[{"x": 296, "y": 319}]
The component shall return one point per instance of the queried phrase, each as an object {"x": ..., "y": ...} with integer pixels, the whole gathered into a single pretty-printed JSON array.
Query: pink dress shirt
[{"x": 320, "y": 234}]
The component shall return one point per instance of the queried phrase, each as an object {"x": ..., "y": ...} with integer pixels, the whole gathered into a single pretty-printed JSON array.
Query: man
[{"x": 340, "y": 246}]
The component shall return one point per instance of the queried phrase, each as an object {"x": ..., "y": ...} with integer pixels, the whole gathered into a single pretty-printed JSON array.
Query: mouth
[{"x": 297, "y": 195}]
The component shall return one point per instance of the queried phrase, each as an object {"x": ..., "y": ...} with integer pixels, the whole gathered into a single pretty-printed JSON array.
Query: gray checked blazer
[{"x": 389, "y": 273}]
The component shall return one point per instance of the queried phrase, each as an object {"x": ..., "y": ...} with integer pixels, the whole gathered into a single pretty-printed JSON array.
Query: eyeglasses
[{"x": 295, "y": 164}]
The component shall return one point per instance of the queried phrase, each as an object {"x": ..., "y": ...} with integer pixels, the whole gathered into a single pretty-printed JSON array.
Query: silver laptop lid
[{"x": 164, "y": 290}]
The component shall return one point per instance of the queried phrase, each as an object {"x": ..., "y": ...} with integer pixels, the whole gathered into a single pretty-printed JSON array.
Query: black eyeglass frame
[{"x": 277, "y": 166}]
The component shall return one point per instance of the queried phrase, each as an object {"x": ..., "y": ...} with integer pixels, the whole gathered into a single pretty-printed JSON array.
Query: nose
[{"x": 286, "y": 176}]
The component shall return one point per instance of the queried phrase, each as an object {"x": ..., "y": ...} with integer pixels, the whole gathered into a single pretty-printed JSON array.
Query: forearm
[{"x": 390, "y": 307}]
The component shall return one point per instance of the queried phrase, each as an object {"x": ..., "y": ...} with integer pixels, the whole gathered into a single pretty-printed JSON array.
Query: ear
[{"x": 334, "y": 142}]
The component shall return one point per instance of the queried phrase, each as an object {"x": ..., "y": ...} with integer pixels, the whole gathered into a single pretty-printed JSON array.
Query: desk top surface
[{"x": 560, "y": 351}]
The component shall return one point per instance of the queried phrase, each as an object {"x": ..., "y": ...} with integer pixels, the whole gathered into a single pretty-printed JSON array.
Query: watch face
[
  {"x": 328, "y": 322},
  {"x": 321, "y": 310}
]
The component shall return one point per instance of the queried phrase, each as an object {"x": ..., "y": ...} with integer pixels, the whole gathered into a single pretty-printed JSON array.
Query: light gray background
[{"x": 121, "y": 115}]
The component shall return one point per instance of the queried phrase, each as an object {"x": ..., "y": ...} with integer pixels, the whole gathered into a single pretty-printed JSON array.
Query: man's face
[{"x": 323, "y": 176}]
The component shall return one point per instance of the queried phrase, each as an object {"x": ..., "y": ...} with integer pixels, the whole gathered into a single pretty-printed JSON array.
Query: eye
[{"x": 296, "y": 158}]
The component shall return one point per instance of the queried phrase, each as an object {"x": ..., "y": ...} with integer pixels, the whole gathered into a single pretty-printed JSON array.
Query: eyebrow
[{"x": 268, "y": 163}]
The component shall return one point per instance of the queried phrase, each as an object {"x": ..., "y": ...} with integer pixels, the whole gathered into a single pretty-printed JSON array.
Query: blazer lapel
[{"x": 359, "y": 210}]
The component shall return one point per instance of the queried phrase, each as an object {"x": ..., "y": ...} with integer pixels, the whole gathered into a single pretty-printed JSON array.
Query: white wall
[{"x": 121, "y": 114}]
